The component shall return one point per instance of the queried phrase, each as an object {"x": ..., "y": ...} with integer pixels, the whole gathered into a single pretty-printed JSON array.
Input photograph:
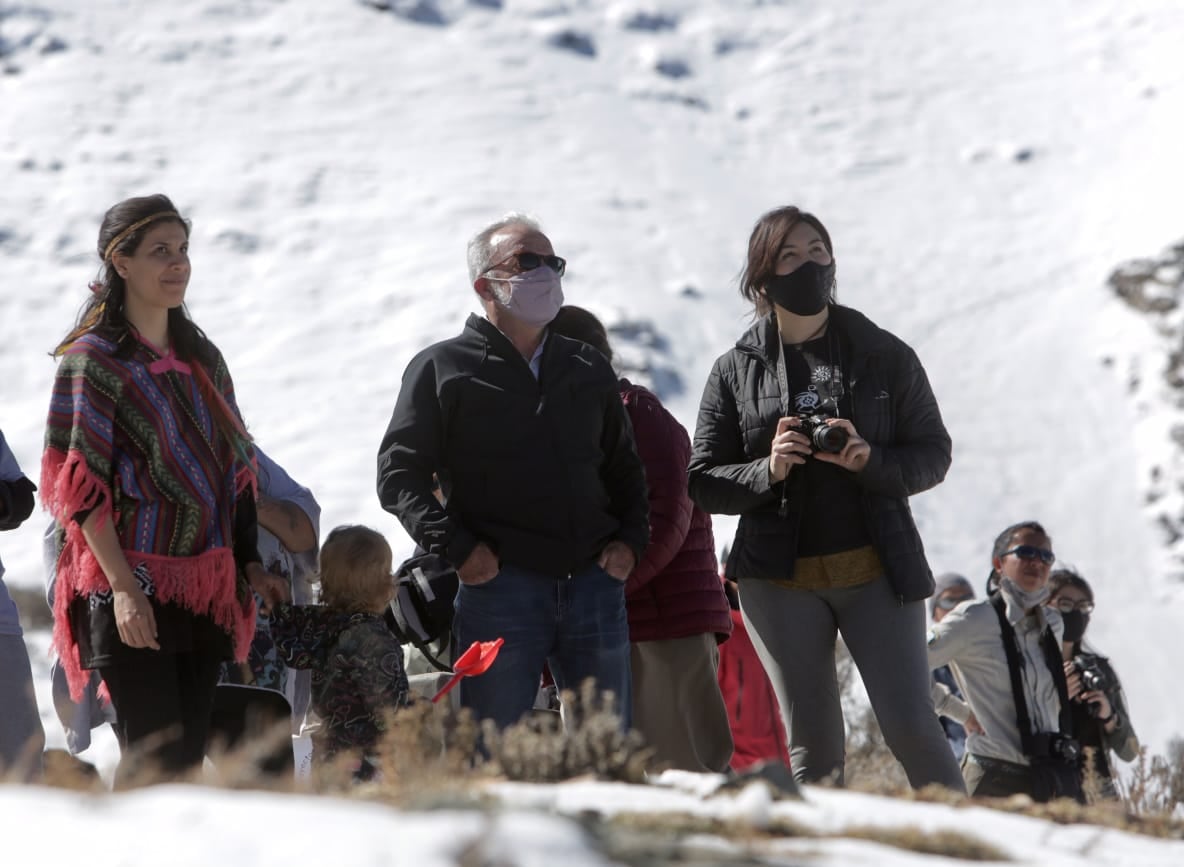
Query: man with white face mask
[
  {"x": 547, "y": 505},
  {"x": 1005, "y": 653}
]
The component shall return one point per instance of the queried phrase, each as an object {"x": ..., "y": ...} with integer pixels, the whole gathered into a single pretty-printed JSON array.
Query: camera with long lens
[{"x": 823, "y": 437}]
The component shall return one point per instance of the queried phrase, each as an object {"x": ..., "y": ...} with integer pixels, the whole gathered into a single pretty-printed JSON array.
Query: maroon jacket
[{"x": 675, "y": 591}]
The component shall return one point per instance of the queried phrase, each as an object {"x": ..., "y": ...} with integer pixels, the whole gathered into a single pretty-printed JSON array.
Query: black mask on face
[
  {"x": 1075, "y": 624},
  {"x": 803, "y": 291}
]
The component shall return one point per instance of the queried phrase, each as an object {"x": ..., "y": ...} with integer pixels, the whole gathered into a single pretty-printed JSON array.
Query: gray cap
[{"x": 948, "y": 581}]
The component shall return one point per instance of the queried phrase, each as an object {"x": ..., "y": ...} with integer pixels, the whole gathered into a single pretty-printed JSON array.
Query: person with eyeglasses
[
  {"x": 816, "y": 428},
  {"x": 1005, "y": 652},
  {"x": 1100, "y": 719},
  {"x": 547, "y": 507}
]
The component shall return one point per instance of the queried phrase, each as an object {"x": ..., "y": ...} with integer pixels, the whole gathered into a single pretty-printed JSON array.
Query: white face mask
[
  {"x": 534, "y": 297},
  {"x": 1029, "y": 599}
]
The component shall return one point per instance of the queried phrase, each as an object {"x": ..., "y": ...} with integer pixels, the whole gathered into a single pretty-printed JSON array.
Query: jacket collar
[{"x": 864, "y": 336}]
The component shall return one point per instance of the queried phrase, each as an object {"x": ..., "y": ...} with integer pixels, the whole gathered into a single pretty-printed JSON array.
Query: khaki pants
[{"x": 677, "y": 705}]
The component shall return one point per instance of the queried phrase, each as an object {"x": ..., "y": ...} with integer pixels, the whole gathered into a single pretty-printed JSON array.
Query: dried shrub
[{"x": 542, "y": 749}]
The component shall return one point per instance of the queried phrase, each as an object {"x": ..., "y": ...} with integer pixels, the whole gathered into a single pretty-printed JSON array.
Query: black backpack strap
[
  {"x": 422, "y": 647},
  {"x": 1014, "y": 665}
]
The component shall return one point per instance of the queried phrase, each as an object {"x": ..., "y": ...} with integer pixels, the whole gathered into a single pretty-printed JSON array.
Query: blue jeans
[{"x": 576, "y": 625}]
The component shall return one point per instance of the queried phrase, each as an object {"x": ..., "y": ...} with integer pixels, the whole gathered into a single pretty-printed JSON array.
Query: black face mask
[
  {"x": 804, "y": 291},
  {"x": 1075, "y": 624}
]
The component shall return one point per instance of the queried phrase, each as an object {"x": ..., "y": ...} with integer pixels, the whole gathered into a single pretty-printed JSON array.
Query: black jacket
[
  {"x": 893, "y": 408},
  {"x": 543, "y": 471}
]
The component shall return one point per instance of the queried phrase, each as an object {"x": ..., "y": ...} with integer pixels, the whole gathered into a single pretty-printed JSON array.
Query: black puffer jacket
[
  {"x": 893, "y": 408},
  {"x": 543, "y": 471}
]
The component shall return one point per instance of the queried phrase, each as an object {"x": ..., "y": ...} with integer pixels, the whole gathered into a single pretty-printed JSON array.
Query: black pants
[
  {"x": 995, "y": 778},
  {"x": 163, "y": 703},
  {"x": 242, "y": 713}
]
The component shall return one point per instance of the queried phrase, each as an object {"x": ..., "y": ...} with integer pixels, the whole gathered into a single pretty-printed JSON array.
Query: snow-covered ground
[
  {"x": 535, "y": 826},
  {"x": 982, "y": 167}
]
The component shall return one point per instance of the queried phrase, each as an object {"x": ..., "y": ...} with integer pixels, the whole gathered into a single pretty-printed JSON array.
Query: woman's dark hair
[
  {"x": 1003, "y": 543},
  {"x": 764, "y": 246},
  {"x": 122, "y": 231},
  {"x": 578, "y": 324},
  {"x": 105, "y": 311},
  {"x": 1061, "y": 578}
]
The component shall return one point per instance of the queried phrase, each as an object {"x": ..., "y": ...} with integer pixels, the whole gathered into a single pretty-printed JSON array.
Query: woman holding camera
[
  {"x": 1100, "y": 719},
  {"x": 815, "y": 428}
]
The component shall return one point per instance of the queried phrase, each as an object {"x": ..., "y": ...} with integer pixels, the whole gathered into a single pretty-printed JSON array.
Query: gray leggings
[{"x": 794, "y": 632}]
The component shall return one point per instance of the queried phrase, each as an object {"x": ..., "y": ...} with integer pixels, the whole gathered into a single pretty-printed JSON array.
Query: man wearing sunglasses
[
  {"x": 1005, "y": 652},
  {"x": 547, "y": 507}
]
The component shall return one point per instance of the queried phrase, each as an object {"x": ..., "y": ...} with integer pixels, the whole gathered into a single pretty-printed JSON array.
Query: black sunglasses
[
  {"x": 1031, "y": 552},
  {"x": 1066, "y": 605},
  {"x": 530, "y": 261}
]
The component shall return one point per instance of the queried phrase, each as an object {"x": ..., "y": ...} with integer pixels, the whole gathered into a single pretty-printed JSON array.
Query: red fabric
[
  {"x": 757, "y": 731},
  {"x": 675, "y": 591}
]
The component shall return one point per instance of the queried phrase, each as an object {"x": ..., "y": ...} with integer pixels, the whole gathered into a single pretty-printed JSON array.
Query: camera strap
[{"x": 1052, "y": 658}]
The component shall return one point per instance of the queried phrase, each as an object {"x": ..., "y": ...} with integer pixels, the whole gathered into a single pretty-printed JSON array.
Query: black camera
[
  {"x": 1054, "y": 745},
  {"x": 823, "y": 437},
  {"x": 1093, "y": 676}
]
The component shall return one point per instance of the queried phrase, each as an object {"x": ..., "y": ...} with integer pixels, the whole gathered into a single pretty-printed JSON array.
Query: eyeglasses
[
  {"x": 530, "y": 261},
  {"x": 1065, "y": 605},
  {"x": 948, "y": 602},
  {"x": 1031, "y": 552}
]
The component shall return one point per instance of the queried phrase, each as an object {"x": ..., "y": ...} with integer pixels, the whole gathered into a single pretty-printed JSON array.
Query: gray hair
[{"x": 480, "y": 250}]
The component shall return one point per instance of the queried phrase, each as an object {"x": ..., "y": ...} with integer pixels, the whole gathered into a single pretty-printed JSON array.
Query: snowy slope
[{"x": 981, "y": 167}]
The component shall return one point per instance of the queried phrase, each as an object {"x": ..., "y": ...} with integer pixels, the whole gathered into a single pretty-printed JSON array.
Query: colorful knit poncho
[{"x": 131, "y": 436}]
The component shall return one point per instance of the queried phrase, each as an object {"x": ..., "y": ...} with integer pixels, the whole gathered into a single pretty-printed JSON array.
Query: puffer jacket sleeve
[
  {"x": 1123, "y": 739},
  {"x": 721, "y": 480},
  {"x": 920, "y": 453},
  {"x": 665, "y": 450}
]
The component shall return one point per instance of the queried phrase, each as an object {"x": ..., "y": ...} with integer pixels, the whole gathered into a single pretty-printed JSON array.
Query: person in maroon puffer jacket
[{"x": 678, "y": 613}]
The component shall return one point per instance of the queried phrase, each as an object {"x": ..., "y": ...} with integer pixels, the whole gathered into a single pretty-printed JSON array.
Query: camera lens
[{"x": 829, "y": 438}]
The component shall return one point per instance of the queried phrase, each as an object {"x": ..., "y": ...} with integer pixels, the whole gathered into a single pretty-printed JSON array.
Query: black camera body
[
  {"x": 1056, "y": 746},
  {"x": 1093, "y": 674},
  {"x": 823, "y": 437}
]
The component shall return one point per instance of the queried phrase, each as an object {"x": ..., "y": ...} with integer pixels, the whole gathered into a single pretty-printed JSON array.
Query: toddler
[{"x": 356, "y": 662}]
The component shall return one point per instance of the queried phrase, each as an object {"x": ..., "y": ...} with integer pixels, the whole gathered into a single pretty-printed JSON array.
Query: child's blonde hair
[{"x": 356, "y": 569}]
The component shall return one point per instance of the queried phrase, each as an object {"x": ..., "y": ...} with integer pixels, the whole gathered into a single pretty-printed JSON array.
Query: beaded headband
[{"x": 118, "y": 239}]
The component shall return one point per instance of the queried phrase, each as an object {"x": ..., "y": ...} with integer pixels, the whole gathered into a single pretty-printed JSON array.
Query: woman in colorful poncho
[{"x": 149, "y": 473}]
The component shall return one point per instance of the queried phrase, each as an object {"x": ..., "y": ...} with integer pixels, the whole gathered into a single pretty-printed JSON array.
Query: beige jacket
[{"x": 969, "y": 640}]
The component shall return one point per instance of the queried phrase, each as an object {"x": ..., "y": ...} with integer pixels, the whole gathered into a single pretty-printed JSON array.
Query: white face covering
[
  {"x": 534, "y": 296},
  {"x": 1029, "y": 599}
]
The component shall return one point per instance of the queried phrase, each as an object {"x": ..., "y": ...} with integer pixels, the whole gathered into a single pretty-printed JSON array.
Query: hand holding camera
[
  {"x": 853, "y": 450},
  {"x": 790, "y": 447},
  {"x": 1087, "y": 671},
  {"x": 833, "y": 440}
]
